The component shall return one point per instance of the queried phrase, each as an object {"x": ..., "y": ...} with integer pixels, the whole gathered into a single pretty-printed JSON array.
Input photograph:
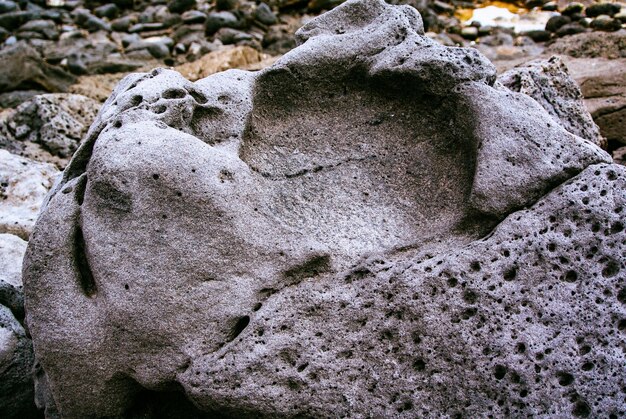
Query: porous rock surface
[
  {"x": 548, "y": 82},
  {"x": 371, "y": 227},
  {"x": 48, "y": 127}
]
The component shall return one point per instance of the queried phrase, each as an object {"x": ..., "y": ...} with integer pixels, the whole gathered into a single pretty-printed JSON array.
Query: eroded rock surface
[
  {"x": 372, "y": 226},
  {"x": 548, "y": 82},
  {"x": 48, "y": 127}
]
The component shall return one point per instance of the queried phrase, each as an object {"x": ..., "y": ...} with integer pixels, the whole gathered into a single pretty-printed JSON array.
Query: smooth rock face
[
  {"x": 372, "y": 226},
  {"x": 23, "y": 185}
]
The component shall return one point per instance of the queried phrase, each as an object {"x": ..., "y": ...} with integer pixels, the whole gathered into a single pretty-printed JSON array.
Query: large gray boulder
[{"x": 372, "y": 226}]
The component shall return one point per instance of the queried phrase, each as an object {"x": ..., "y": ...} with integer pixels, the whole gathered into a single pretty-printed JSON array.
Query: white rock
[
  {"x": 24, "y": 184},
  {"x": 12, "y": 250}
]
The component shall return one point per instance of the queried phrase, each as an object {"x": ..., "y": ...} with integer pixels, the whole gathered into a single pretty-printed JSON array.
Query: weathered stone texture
[{"x": 372, "y": 226}]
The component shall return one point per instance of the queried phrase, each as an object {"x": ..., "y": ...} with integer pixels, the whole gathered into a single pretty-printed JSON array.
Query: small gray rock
[
  {"x": 45, "y": 27},
  {"x": 144, "y": 27},
  {"x": 85, "y": 19},
  {"x": 570, "y": 29},
  {"x": 7, "y": 6},
  {"x": 124, "y": 23},
  {"x": 597, "y": 9},
  {"x": 469, "y": 32},
  {"x": 109, "y": 10},
  {"x": 217, "y": 20},
  {"x": 556, "y": 22},
  {"x": 232, "y": 36},
  {"x": 179, "y": 6},
  {"x": 573, "y": 8},
  {"x": 264, "y": 14},
  {"x": 191, "y": 17}
]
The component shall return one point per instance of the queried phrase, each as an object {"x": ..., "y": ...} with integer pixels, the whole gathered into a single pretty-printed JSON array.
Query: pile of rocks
[
  {"x": 45, "y": 47},
  {"x": 576, "y": 18}
]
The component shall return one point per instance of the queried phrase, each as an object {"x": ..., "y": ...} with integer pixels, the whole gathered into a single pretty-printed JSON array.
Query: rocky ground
[{"x": 62, "y": 59}]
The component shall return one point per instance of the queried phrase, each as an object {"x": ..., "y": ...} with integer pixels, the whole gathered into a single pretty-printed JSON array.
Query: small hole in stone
[
  {"x": 499, "y": 372},
  {"x": 239, "y": 327},
  {"x": 174, "y": 94},
  {"x": 419, "y": 365},
  {"x": 136, "y": 100},
  {"x": 581, "y": 409},
  {"x": 587, "y": 366},
  {"x": 611, "y": 269},
  {"x": 510, "y": 274},
  {"x": 570, "y": 276},
  {"x": 565, "y": 378}
]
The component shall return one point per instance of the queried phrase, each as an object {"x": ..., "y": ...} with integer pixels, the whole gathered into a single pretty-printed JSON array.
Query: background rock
[
  {"x": 24, "y": 184},
  {"x": 224, "y": 59},
  {"x": 53, "y": 122},
  {"x": 549, "y": 83},
  {"x": 603, "y": 83},
  {"x": 591, "y": 45},
  {"x": 16, "y": 352},
  {"x": 23, "y": 68}
]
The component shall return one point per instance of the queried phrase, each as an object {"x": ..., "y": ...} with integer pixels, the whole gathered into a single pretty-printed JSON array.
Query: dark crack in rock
[{"x": 370, "y": 227}]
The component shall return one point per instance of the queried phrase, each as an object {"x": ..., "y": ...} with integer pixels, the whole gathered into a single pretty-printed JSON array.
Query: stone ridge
[{"x": 306, "y": 240}]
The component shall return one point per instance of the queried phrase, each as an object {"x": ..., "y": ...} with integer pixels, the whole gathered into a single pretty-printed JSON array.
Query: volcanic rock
[
  {"x": 548, "y": 82},
  {"x": 56, "y": 122},
  {"x": 23, "y": 68},
  {"x": 372, "y": 226}
]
